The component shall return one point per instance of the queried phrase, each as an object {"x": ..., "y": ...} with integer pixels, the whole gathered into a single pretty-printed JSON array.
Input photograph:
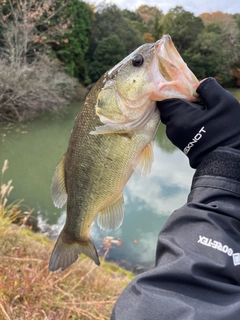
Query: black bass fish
[{"x": 111, "y": 138}]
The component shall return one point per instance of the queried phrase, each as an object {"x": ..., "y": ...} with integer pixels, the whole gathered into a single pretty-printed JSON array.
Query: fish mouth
[
  {"x": 166, "y": 49},
  {"x": 177, "y": 79},
  {"x": 169, "y": 60}
]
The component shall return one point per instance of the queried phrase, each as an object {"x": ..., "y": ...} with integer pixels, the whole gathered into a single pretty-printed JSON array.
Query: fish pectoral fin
[
  {"x": 64, "y": 254},
  {"x": 112, "y": 217},
  {"x": 58, "y": 187},
  {"x": 143, "y": 164},
  {"x": 124, "y": 127},
  {"x": 110, "y": 128}
]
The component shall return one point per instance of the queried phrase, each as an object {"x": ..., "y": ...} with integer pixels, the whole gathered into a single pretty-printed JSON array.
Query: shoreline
[
  {"x": 28, "y": 289},
  {"x": 108, "y": 244}
]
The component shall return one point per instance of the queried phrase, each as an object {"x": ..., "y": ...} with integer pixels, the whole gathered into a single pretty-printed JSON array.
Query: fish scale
[{"x": 112, "y": 137}]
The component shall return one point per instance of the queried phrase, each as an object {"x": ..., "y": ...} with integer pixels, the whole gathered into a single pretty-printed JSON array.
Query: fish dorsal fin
[
  {"x": 58, "y": 187},
  {"x": 143, "y": 164},
  {"x": 111, "y": 218}
]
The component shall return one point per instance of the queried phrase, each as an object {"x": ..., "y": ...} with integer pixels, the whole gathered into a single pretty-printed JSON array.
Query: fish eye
[{"x": 137, "y": 61}]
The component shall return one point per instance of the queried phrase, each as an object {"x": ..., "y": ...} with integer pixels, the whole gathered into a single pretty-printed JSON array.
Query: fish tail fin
[{"x": 66, "y": 253}]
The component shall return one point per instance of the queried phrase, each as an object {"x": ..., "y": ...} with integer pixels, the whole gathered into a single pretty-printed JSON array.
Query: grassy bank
[{"x": 29, "y": 291}]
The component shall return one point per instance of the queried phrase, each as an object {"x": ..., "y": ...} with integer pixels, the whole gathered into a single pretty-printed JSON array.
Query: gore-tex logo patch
[
  {"x": 236, "y": 259},
  {"x": 217, "y": 245}
]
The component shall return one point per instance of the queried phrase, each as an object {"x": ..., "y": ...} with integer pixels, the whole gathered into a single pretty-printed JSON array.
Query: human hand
[{"x": 199, "y": 128}]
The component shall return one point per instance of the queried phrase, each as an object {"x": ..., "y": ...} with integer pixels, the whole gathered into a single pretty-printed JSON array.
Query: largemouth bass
[{"x": 111, "y": 138}]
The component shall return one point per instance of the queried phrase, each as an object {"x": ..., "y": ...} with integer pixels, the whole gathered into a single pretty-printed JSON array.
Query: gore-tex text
[
  {"x": 195, "y": 139},
  {"x": 220, "y": 247}
]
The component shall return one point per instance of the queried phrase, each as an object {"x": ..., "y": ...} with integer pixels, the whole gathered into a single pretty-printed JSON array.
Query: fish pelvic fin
[
  {"x": 112, "y": 217},
  {"x": 143, "y": 164},
  {"x": 66, "y": 253},
  {"x": 58, "y": 187}
]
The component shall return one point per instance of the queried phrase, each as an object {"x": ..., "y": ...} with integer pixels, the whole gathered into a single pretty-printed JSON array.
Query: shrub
[{"x": 31, "y": 89}]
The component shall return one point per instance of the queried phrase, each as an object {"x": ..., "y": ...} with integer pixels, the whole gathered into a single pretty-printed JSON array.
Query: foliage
[
  {"x": 31, "y": 89},
  {"x": 109, "y": 21},
  {"x": 216, "y": 17},
  {"x": 214, "y": 52},
  {"x": 132, "y": 16},
  {"x": 178, "y": 23},
  {"x": 151, "y": 16},
  {"x": 89, "y": 40},
  {"x": 236, "y": 17},
  {"x": 109, "y": 51},
  {"x": 27, "y": 28},
  {"x": 71, "y": 46},
  {"x": 30, "y": 81},
  {"x": 203, "y": 56},
  {"x": 135, "y": 19},
  {"x": 83, "y": 37}
]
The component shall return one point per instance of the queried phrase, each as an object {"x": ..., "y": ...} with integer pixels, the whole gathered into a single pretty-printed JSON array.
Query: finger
[
  {"x": 177, "y": 108},
  {"x": 170, "y": 105},
  {"x": 211, "y": 93}
]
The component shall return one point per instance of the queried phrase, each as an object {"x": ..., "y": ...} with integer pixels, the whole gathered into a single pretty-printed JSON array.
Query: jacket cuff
[{"x": 222, "y": 162}]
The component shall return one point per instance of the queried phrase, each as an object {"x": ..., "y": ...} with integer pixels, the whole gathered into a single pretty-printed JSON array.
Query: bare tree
[
  {"x": 21, "y": 27},
  {"x": 29, "y": 80}
]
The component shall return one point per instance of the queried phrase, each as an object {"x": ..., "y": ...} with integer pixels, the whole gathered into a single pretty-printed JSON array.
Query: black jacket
[{"x": 197, "y": 273}]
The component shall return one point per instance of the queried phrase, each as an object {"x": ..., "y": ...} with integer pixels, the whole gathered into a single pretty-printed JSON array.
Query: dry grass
[
  {"x": 8, "y": 212},
  {"x": 28, "y": 291}
]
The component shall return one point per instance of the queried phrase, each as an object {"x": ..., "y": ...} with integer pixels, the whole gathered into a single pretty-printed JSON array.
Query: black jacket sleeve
[{"x": 197, "y": 272}]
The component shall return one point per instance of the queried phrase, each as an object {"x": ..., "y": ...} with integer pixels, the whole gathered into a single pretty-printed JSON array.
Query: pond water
[{"x": 33, "y": 151}]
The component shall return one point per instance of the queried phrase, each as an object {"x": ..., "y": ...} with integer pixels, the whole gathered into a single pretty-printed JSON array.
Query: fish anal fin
[
  {"x": 66, "y": 253},
  {"x": 58, "y": 187},
  {"x": 143, "y": 164},
  {"x": 111, "y": 218}
]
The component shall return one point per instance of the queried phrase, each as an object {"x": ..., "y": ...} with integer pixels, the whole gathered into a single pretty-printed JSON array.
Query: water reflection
[
  {"x": 148, "y": 203},
  {"x": 33, "y": 151}
]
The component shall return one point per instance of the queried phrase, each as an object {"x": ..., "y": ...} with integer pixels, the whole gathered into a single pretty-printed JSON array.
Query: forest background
[
  {"x": 50, "y": 52},
  {"x": 49, "y": 49}
]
